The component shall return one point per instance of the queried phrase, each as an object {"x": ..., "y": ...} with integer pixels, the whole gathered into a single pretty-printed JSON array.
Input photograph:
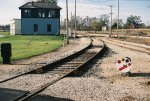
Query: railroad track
[
  {"x": 38, "y": 70},
  {"x": 68, "y": 66},
  {"x": 131, "y": 46}
]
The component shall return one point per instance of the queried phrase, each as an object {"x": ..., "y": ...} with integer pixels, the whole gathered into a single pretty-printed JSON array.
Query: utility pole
[
  {"x": 75, "y": 19},
  {"x": 71, "y": 24},
  {"x": 118, "y": 22},
  {"x": 67, "y": 30},
  {"x": 87, "y": 23},
  {"x": 110, "y": 33}
]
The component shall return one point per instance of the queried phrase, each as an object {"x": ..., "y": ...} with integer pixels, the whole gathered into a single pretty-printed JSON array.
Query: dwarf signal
[{"x": 124, "y": 65}]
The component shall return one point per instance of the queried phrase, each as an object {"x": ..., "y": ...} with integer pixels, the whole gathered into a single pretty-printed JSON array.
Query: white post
[
  {"x": 71, "y": 25},
  {"x": 75, "y": 21},
  {"x": 110, "y": 33},
  {"x": 118, "y": 22},
  {"x": 67, "y": 30}
]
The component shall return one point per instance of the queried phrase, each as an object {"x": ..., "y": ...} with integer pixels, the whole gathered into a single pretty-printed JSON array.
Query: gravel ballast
[{"x": 105, "y": 83}]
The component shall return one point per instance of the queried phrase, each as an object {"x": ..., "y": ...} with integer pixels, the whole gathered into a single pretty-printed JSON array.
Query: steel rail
[
  {"x": 32, "y": 94},
  {"x": 99, "y": 53},
  {"x": 127, "y": 43},
  {"x": 47, "y": 65},
  {"x": 138, "y": 50}
]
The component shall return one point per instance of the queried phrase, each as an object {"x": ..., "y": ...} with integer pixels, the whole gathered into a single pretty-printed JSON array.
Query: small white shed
[
  {"x": 104, "y": 28},
  {"x": 15, "y": 26}
]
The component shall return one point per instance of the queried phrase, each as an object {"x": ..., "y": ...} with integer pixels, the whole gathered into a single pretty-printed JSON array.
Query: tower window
[
  {"x": 43, "y": 13},
  {"x": 39, "y": 13},
  {"x": 51, "y": 13},
  {"x": 27, "y": 13}
]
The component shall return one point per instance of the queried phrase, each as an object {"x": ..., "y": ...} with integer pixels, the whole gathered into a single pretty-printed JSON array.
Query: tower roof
[{"x": 40, "y": 5}]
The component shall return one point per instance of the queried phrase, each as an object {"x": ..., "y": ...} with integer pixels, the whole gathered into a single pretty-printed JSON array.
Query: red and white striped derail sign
[{"x": 124, "y": 65}]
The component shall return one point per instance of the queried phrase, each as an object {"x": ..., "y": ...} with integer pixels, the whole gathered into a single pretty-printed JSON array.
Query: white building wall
[
  {"x": 15, "y": 26},
  {"x": 12, "y": 27}
]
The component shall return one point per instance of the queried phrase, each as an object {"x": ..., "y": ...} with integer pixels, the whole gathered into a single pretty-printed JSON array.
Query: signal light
[
  {"x": 129, "y": 64},
  {"x": 119, "y": 61}
]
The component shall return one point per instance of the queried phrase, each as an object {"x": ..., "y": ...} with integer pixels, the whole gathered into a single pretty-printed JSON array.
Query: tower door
[{"x": 35, "y": 27}]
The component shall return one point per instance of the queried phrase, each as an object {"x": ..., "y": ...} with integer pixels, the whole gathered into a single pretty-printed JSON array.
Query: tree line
[
  {"x": 4, "y": 27},
  {"x": 97, "y": 23}
]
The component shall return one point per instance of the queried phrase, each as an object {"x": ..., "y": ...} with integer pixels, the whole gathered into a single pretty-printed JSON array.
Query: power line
[
  {"x": 99, "y": 1},
  {"x": 136, "y": 0},
  {"x": 96, "y": 1}
]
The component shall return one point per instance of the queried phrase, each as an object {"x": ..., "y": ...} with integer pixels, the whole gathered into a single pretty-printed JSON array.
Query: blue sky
[{"x": 93, "y": 8}]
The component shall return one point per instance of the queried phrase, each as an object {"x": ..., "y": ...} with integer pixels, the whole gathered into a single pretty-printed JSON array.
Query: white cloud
[
  {"x": 9, "y": 11},
  {"x": 84, "y": 9}
]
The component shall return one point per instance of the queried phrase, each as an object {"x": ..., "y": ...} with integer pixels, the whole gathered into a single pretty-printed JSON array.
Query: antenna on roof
[{"x": 32, "y": 3}]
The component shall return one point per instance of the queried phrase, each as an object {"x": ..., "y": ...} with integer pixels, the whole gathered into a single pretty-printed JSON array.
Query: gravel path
[{"x": 104, "y": 83}]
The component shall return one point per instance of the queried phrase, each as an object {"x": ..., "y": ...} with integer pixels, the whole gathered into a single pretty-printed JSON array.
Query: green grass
[
  {"x": 4, "y": 33},
  {"x": 39, "y": 45}
]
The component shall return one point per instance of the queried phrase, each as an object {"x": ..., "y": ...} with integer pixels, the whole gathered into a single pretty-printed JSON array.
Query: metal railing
[{"x": 32, "y": 38}]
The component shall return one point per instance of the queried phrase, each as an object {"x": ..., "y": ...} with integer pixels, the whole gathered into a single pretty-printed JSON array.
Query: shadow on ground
[
  {"x": 48, "y": 98},
  {"x": 140, "y": 75},
  {"x": 11, "y": 95}
]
